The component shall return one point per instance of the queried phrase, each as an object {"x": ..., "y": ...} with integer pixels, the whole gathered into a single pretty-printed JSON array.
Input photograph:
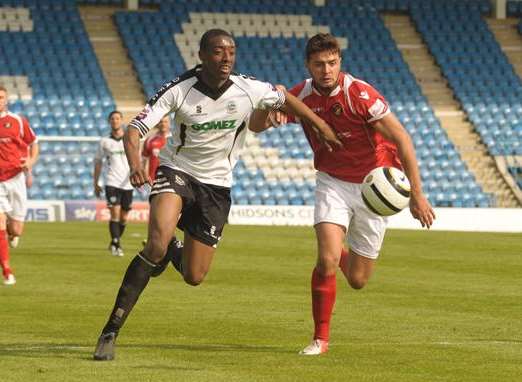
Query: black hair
[
  {"x": 114, "y": 112},
  {"x": 209, "y": 35}
]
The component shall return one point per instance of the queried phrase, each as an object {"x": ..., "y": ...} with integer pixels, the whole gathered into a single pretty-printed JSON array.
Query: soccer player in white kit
[
  {"x": 372, "y": 137},
  {"x": 118, "y": 189},
  {"x": 18, "y": 154},
  {"x": 211, "y": 106}
]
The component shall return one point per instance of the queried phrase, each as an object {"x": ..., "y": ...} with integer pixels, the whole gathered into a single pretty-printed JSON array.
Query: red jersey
[
  {"x": 15, "y": 138},
  {"x": 349, "y": 110},
  {"x": 151, "y": 150}
]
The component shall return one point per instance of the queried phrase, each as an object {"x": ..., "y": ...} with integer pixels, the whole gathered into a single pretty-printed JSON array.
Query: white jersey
[
  {"x": 210, "y": 126},
  {"x": 116, "y": 168}
]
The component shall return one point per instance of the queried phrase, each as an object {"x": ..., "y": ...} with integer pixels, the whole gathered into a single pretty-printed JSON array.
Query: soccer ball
[{"x": 386, "y": 191}]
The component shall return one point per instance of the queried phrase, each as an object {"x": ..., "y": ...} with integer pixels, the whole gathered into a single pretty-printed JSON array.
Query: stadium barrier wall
[
  {"x": 96, "y": 210},
  {"x": 45, "y": 211},
  {"x": 448, "y": 219}
]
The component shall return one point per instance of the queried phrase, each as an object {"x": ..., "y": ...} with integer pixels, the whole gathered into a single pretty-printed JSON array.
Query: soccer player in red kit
[
  {"x": 18, "y": 154},
  {"x": 372, "y": 137},
  {"x": 153, "y": 145}
]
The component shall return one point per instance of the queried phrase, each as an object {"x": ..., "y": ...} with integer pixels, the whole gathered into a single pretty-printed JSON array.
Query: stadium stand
[
  {"x": 276, "y": 168},
  {"x": 478, "y": 71}
]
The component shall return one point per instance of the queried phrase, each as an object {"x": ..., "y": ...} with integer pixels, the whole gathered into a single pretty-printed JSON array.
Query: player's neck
[
  {"x": 117, "y": 133},
  {"x": 3, "y": 113},
  {"x": 324, "y": 91},
  {"x": 210, "y": 81}
]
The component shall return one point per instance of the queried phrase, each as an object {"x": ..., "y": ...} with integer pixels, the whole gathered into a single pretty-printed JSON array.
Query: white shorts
[
  {"x": 13, "y": 197},
  {"x": 341, "y": 203}
]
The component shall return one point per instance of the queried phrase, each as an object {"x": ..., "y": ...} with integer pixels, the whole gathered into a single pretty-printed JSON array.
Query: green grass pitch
[{"x": 441, "y": 306}]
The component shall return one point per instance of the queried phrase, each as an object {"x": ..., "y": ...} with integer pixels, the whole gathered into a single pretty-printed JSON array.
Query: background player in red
[
  {"x": 18, "y": 154},
  {"x": 372, "y": 136},
  {"x": 153, "y": 145}
]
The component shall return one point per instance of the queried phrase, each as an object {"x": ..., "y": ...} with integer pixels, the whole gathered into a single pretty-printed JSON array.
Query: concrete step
[{"x": 113, "y": 58}]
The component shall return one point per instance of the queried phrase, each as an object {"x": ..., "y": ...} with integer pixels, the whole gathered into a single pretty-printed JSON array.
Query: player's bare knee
[
  {"x": 193, "y": 279},
  {"x": 155, "y": 251},
  {"x": 357, "y": 282},
  {"x": 327, "y": 265}
]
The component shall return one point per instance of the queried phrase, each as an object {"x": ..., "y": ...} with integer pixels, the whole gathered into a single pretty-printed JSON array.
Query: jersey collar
[{"x": 207, "y": 90}]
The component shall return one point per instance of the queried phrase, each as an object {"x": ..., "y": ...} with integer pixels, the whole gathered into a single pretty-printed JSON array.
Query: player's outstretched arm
[
  {"x": 295, "y": 107},
  {"x": 131, "y": 143},
  {"x": 391, "y": 128},
  {"x": 261, "y": 120}
]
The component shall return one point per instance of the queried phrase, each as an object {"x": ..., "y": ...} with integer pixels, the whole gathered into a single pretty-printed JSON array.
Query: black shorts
[
  {"x": 205, "y": 206},
  {"x": 118, "y": 197}
]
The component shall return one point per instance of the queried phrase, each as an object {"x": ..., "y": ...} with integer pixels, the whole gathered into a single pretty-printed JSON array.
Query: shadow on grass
[{"x": 83, "y": 351}]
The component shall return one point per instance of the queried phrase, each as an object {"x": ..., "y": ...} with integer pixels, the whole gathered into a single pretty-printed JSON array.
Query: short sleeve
[
  {"x": 265, "y": 95},
  {"x": 295, "y": 92},
  {"x": 367, "y": 102},
  {"x": 167, "y": 99},
  {"x": 29, "y": 135}
]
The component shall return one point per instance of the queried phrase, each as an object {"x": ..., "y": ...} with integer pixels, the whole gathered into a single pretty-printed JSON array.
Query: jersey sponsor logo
[
  {"x": 377, "y": 108},
  {"x": 215, "y": 125},
  {"x": 7, "y": 125},
  {"x": 337, "y": 109},
  {"x": 364, "y": 95},
  {"x": 231, "y": 107}
]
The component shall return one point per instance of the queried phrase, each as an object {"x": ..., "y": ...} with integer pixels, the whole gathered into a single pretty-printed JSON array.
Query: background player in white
[
  {"x": 211, "y": 106},
  {"x": 18, "y": 154},
  {"x": 118, "y": 189},
  {"x": 372, "y": 137}
]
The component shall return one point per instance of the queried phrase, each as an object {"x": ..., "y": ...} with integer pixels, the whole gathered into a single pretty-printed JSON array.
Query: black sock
[
  {"x": 175, "y": 254},
  {"x": 134, "y": 282},
  {"x": 114, "y": 228},
  {"x": 122, "y": 228}
]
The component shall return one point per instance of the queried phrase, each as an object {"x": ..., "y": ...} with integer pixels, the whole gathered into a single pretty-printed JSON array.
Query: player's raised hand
[
  {"x": 421, "y": 210},
  {"x": 138, "y": 177}
]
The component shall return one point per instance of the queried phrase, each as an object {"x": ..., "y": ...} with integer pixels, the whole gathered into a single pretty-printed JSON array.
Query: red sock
[
  {"x": 4, "y": 254},
  {"x": 342, "y": 261},
  {"x": 323, "y": 299}
]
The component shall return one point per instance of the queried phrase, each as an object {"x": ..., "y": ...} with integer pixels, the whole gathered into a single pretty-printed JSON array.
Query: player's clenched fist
[{"x": 139, "y": 177}]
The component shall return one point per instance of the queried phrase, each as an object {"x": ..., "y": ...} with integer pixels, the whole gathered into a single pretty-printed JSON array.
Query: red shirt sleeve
[
  {"x": 146, "y": 148},
  {"x": 367, "y": 102},
  {"x": 295, "y": 92},
  {"x": 29, "y": 135}
]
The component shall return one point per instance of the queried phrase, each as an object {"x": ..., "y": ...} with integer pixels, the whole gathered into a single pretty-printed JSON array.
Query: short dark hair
[
  {"x": 204, "y": 43},
  {"x": 114, "y": 112},
  {"x": 3, "y": 88},
  {"x": 322, "y": 42}
]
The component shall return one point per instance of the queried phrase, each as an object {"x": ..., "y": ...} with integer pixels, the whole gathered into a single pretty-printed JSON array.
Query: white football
[{"x": 386, "y": 191}]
